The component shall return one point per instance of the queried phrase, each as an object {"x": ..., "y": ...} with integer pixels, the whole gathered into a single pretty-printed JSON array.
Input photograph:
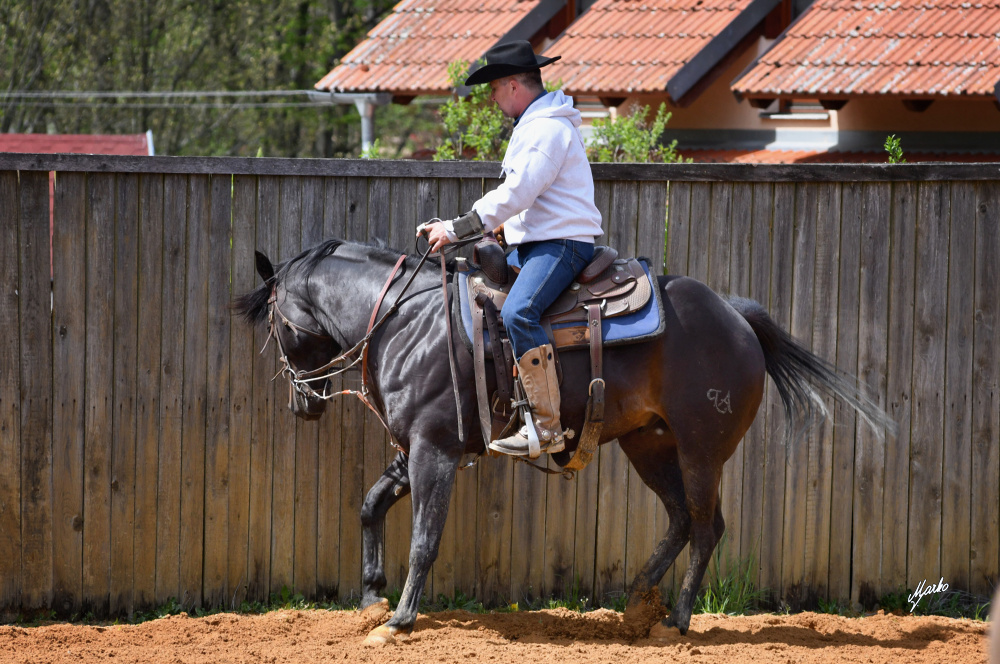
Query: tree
[{"x": 184, "y": 45}]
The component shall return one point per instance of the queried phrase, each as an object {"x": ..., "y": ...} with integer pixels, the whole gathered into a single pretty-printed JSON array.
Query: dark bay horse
[{"x": 678, "y": 404}]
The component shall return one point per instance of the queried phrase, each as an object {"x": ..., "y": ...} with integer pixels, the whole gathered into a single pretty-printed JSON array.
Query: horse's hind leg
[
  {"x": 393, "y": 485},
  {"x": 701, "y": 488},
  {"x": 653, "y": 453}
]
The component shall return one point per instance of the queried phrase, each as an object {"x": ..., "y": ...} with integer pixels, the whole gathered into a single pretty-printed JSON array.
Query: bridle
[{"x": 301, "y": 381}]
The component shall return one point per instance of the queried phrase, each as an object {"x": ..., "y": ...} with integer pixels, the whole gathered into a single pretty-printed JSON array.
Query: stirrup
[{"x": 557, "y": 444}]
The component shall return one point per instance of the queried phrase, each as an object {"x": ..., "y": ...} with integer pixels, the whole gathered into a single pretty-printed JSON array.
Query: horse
[{"x": 662, "y": 396}]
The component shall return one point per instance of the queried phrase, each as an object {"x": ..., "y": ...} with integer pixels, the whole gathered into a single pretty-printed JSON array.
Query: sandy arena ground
[{"x": 530, "y": 637}]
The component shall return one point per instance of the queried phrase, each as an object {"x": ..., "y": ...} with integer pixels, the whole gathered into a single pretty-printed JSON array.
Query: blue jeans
[{"x": 547, "y": 269}]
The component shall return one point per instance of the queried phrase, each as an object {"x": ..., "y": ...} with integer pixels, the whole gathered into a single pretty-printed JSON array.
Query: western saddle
[{"x": 608, "y": 286}]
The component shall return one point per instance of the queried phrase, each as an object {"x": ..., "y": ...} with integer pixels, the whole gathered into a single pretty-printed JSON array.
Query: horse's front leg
[
  {"x": 393, "y": 485},
  {"x": 432, "y": 475}
]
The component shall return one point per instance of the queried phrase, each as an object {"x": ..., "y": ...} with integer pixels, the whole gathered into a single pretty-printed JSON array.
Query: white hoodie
[{"x": 548, "y": 192}]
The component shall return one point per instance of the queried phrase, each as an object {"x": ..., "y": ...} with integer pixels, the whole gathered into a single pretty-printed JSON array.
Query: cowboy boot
[{"x": 541, "y": 385}]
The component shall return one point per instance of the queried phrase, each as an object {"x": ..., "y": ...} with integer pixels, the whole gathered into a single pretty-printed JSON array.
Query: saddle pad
[{"x": 629, "y": 328}]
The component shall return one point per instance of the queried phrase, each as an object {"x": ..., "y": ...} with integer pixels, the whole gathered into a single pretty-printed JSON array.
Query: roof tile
[
  {"x": 623, "y": 46},
  {"x": 410, "y": 50},
  {"x": 908, "y": 47}
]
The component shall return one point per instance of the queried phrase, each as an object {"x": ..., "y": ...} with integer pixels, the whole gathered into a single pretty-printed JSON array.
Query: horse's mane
[{"x": 252, "y": 306}]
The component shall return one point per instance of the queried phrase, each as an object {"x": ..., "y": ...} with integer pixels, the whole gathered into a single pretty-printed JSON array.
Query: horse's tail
[{"x": 795, "y": 371}]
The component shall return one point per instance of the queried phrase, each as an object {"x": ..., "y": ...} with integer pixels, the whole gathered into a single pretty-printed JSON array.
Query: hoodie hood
[{"x": 552, "y": 105}]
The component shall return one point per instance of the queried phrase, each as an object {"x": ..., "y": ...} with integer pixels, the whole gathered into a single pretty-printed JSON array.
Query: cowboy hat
[{"x": 508, "y": 59}]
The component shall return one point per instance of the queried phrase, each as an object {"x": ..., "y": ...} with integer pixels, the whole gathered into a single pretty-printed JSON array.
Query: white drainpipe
[{"x": 365, "y": 102}]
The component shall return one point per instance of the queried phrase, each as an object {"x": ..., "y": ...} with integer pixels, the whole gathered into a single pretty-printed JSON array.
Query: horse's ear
[{"x": 264, "y": 267}]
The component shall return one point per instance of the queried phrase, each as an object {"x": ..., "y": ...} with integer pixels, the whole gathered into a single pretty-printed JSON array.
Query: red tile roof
[
  {"x": 622, "y": 47},
  {"x": 128, "y": 144},
  {"x": 410, "y": 50},
  {"x": 915, "y": 48},
  {"x": 824, "y": 157}
]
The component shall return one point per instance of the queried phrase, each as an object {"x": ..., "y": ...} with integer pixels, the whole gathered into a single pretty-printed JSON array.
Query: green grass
[{"x": 733, "y": 591}]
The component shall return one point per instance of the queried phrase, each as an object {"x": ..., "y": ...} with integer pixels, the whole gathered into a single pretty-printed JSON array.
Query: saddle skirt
[{"x": 627, "y": 293}]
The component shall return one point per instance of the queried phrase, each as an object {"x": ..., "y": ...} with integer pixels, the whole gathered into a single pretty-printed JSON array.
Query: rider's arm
[{"x": 529, "y": 174}]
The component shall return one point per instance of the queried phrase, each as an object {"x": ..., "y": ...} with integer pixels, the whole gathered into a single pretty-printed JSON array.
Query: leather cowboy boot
[{"x": 541, "y": 385}]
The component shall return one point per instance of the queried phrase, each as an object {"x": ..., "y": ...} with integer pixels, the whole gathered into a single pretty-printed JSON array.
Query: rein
[{"x": 300, "y": 381}]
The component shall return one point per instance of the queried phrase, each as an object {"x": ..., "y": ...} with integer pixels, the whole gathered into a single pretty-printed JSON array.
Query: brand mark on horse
[{"x": 721, "y": 402}]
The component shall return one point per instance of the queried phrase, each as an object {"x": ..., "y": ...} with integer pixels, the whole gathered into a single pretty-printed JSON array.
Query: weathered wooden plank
[
  {"x": 147, "y": 398},
  {"x": 755, "y": 441},
  {"x": 494, "y": 532},
  {"x": 602, "y": 199},
  {"x": 126, "y": 343},
  {"x": 924, "y": 172},
  {"x": 527, "y": 559},
  {"x": 495, "y": 491},
  {"x": 701, "y": 211},
  {"x": 587, "y": 480},
  {"x": 192, "y": 530},
  {"x": 69, "y": 351},
  {"x": 796, "y": 489},
  {"x": 168, "y": 505},
  {"x": 352, "y": 478},
  {"x": 10, "y": 390},
  {"x": 740, "y": 259},
  {"x": 283, "y": 486},
  {"x": 99, "y": 398},
  {"x": 241, "y": 366},
  {"x": 986, "y": 392},
  {"x": 719, "y": 253},
  {"x": 456, "y": 568},
  {"x": 558, "y": 573},
  {"x": 307, "y": 433},
  {"x": 403, "y": 222},
  {"x": 896, "y": 478},
  {"x": 869, "y": 448},
  {"x": 609, "y": 550},
  {"x": 678, "y": 227},
  {"x": 36, "y": 392},
  {"x": 851, "y": 207},
  {"x": 330, "y": 433},
  {"x": 930, "y": 311},
  {"x": 378, "y": 217},
  {"x": 619, "y": 529},
  {"x": 652, "y": 226},
  {"x": 585, "y": 531},
  {"x": 956, "y": 496},
  {"x": 216, "y": 591},
  {"x": 819, "y": 500},
  {"x": 266, "y": 402},
  {"x": 776, "y": 452}
]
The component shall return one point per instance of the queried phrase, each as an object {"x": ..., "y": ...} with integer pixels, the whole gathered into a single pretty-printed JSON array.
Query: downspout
[{"x": 365, "y": 102}]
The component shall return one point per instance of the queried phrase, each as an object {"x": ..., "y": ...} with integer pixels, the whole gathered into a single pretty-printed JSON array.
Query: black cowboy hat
[{"x": 506, "y": 60}]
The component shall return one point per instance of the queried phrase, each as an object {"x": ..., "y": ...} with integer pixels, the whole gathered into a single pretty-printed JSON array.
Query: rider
[{"x": 546, "y": 204}]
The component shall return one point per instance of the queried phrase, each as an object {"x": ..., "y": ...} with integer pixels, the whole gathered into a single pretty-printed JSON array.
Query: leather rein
[{"x": 301, "y": 381}]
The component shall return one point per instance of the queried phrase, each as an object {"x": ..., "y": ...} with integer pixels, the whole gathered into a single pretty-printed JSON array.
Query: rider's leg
[{"x": 547, "y": 268}]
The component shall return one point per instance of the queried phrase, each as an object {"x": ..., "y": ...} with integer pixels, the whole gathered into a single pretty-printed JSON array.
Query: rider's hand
[{"x": 436, "y": 233}]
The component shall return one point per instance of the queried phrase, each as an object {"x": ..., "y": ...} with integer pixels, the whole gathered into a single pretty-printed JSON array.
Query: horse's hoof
[
  {"x": 375, "y": 613},
  {"x": 382, "y": 635}
]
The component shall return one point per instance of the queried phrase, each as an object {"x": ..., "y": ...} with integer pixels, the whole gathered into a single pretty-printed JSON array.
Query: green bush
[
  {"x": 472, "y": 122},
  {"x": 630, "y": 138}
]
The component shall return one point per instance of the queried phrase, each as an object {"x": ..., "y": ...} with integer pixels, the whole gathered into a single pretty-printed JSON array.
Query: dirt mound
[{"x": 528, "y": 637}]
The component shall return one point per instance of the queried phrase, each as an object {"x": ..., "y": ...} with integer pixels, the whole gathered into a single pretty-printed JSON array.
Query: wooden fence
[{"x": 145, "y": 454}]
